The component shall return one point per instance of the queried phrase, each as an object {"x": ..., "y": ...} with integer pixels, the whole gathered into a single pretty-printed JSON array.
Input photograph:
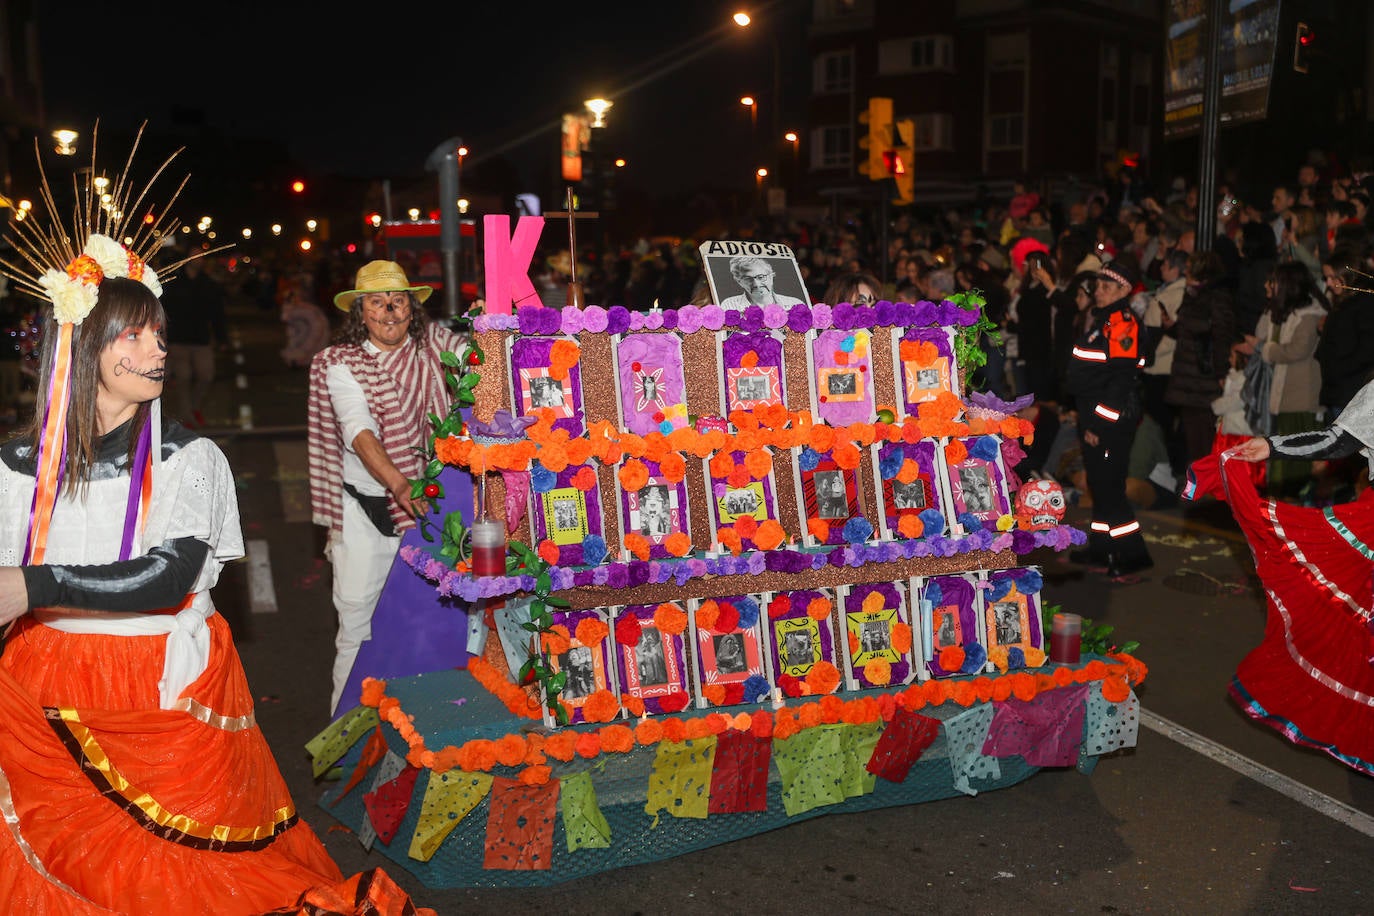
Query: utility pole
[
  {"x": 1211, "y": 123},
  {"x": 444, "y": 160}
]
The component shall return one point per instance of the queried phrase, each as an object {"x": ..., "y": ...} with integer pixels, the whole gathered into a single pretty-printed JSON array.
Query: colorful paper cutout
[
  {"x": 449, "y": 797},
  {"x": 812, "y": 766},
  {"x": 388, "y": 803},
  {"x": 520, "y": 825},
  {"x": 391, "y": 766},
  {"x": 373, "y": 753},
  {"x": 326, "y": 748},
  {"x": 680, "y": 782},
  {"x": 583, "y": 823},
  {"x": 739, "y": 780},
  {"x": 1045, "y": 731},
  {"x": 901, "y": 744}
]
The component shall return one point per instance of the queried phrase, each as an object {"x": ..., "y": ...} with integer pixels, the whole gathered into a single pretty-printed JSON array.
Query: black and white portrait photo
[
  {"x": 976, "y": 488},
  {"x": 1008, "y": 620},
  {"x": 578, "y": 664},
  {"x": 874, "y": 636},
  {"x": 546, "y": 392},
  {"x": 831, "y": 501},
  {"x": 796, "y": 648},
  {"x": 752, "y": 388},
  {"x": 655, "y": 516},
  {"x": 927, "y": 379},
  {"x": 729, "y": 649},
  {"x": 649, "y": 658},
  {"x": 565, "y": 514},
  {"x": 841, "y": 383},
  {"x": 741, "y": 502},
  {"x": 909, "y": 495},
  {"x": 741, "y": 274},
  {"x": 945, "y": 634}
]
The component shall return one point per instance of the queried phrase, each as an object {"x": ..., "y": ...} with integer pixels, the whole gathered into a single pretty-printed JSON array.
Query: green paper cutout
[
  {"x": 858, "y": 742},
  {"x": 449, "y": 797},
  {"x": 330, "y": 745},
  {"x": 681, "y": 779},
  {"x": 812, "y": 764},
  {"x": 583, "y": 822}
]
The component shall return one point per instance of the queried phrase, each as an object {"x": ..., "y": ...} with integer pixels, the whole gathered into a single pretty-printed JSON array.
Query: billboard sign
[{"x": 1249, "y": 36}]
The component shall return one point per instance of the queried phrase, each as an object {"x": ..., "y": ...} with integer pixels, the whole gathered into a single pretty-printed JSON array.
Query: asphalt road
[{"x": 1210, "y": 813}]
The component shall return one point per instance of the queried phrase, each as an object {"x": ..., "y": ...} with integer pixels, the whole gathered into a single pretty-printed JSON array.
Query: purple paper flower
[
  {"x": 682, "y": 573},
  {"x": 601, "y": 575},
  {"x": 638, "y": 573},
  {"x": 864, "y": 316},
  {"x": 755, "y": 563},
  {"x": 966, "y": 318},
  {"x": 774, "y": 316},
  {"x": 751, "y": 319},
  {"x": 923, "y": 314},
  {"x": 689, "y": 319},
  {"x": 835, "y": 558},
  {"x": 617, "y": 319},
  {"x": 618, "y": 577},
  {"x": 653, "y": 320},
  {"x": 852, "y": 558},
  {"x": 1002, "y": 542},
  {"x": 670, "y": 319},
  {"x": 530, "y": 318},
  {"x": 503, "y": 425},
  {"x": 1022, "y": 541},
  {"x": 697, "y": 565},
  {"x": 843, "y": 316},
  {"x": 636, "y": 321},
  {"x": 886, "y": 314},
  {"x": 584, "y": 577},
  {"x": 712, "y": 317},
  {"x": 572, "y": 320},
  {"x": 991, "y": 402},
  {"x": 594, "y": 319},
  {"x": 799, "y": 318},
  {"x": 551, "y": 321},
  {"x": 822, "y": 316}
]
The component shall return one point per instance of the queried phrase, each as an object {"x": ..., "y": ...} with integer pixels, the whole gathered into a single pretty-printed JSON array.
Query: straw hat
[{"x": 380, "y": 277}]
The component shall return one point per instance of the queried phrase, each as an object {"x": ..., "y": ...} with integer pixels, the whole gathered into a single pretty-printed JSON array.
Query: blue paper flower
[
  {"x": 1016, "y": 658},
  {"x": 847, "y": 345},
  {"x": 857, "y": 530},
  {"x": 666, "y": 427},
  {"x": 755, "y": 689},
  {"x": 986, "y": 448},
  {"x": 933, "y": 521},
  {"x": 970, "y": 522},
  {"x": 1000, "y": 588},
  {"x": 808, "y": 459},
  {"x": 1029, "y": 581},
  {"x": 593, "y": 549},
  {"x": 890, "y": 462},
  {"x": 975, "y": 657},
  {"x": 542, "y": 480},
  {"x": 748, "y": 612},
  {"x": 934, "y": 593}
]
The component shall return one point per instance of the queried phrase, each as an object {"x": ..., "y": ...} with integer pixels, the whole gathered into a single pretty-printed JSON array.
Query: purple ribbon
[{"x": 136, "y": 475}]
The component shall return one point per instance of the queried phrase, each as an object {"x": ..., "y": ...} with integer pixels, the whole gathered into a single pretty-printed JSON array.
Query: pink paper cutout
[
  {"x": 1045, "y": 731},
  {"x": 508, "y": 259},
  {"x": 517, "y": 496}
]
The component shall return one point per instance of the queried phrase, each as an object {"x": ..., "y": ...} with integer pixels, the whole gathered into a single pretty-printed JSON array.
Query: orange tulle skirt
[{"x": 113, "y": 805}]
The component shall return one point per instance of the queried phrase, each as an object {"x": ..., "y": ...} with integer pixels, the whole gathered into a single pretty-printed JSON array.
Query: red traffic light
[
  {"x": 892, "y": 161},
  {"x": 1306, "y": 38}
]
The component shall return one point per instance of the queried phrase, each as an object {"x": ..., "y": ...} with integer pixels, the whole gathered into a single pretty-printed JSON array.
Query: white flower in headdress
[
  {"x": 112, "y": 257},
  {"x": 72, "y": 300},
  {"x": 151, "y": 281}
]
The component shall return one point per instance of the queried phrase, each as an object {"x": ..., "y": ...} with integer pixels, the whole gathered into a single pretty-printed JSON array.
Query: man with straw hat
[{"x": 369, "y": 397}]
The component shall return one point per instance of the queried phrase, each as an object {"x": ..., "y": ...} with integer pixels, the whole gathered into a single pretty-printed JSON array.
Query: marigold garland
[{"x": 591, "y": 631}]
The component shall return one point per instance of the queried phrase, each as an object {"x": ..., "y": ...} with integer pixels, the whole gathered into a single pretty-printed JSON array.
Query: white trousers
[{"x": 362, "y": 558}]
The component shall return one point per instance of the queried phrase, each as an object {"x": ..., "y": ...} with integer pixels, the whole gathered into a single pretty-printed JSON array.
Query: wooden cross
[{"x": 575, "y": 296}]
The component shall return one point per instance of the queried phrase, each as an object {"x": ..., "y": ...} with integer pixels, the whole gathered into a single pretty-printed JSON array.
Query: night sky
[{"x": 373, "y": 94}]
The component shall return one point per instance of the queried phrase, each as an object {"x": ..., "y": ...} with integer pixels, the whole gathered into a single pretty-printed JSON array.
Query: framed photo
[
  {"x": 566, "y": 514},
  {"x": 926, "y": 366},
  {"x": 734, "y": 498},
  {"x": 797, "y": 640},
  {"x": 952, "y": 615},
  {"x": 730, "y": 651},
  {"x": 655, "y": 667},
  {"x": 1011, "y": 618},
  {"x": 649, "y": 382},
  {"x": 656, "y": 510},
  {"x": 910, "y": 483},
  {"x": 842, "y": 367},
  {"x": 589, "y": 667},
  {"x": 829, "y": 497},
  {"x": 877, "y": 629},
  {"x": 535, "y": 385},
  {"x": 741, "y": 274},
  {"x": 753, "y": 370},
  {"x": 978, "y": 484}
]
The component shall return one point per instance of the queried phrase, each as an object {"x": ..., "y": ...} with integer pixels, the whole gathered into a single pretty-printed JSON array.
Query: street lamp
[
  {"x": 66, "y": 141},
  {"x": 598, "y": 109},
  {"x": 748, "y": 101},
  {"x": 743, "y": 20}
]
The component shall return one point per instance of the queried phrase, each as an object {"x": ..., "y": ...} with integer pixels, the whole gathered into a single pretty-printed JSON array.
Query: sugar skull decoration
[{"x": 1040, "y": 504}]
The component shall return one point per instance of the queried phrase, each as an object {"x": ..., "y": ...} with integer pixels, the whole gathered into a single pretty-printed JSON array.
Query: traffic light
[
  {"x": 904, "y": 156},
  {"x": 1303, "y": 46},
  {"x": 878, "y": 118}
]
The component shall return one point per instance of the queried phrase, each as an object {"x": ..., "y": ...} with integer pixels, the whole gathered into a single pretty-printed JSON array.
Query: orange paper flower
[
  {"x": 707, "y": 614},
  {"x": 823, "y": 677},
  {"x": 670, "y": 619},
  {"x": 758, "y": 463},
  {"x": 618, "y": 739},
  {"x": 672, "y": 467},
  {"x": 649, "y": 731},
  {"x": 819, "y": 608},
  {"x": 591, "y": 631},
  {"x": 819, "y": 528},
  {"x": 678, "y": 544},
  {"x": 715, "y": 693},
  {"x": 510, "y": 750},
  {"x": 749, "y": 360},
  {"x": 535, "y": 776},
  {"x": 769, "y": 535},
  {"x": 556, "y": 640},
  {"x": 634, "y": 475},
  {"x": 637, "y": 544},
  {"x": 729, "y": 539},
  {"x": 955, "y": 452},
  {"x": 901, "y": 638},
  {"x": 878, "y": 671},
  {"x": 585, "y": 478},
  {"x": 601, "y": 706},
  {"x": 633, "y": 705},
  {"x": 548, "y": 552},
  {"x": 588, "y": 745},
  {"x": 909, "y": 525}
]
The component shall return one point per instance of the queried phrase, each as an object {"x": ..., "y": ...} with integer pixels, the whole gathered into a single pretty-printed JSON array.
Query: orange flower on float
[
  {"x": 982, "y": 688},
  {"x": 758, "y": 463},
  {"x": 901, "y": 638},
  {"x": 619, "y": 739},
  {"x": 819, "y": 528},
  {"x": 879, "y": 672},
  {"x": 535, "y": 776},
  {"x": 1094, "y": 670},
  {"x": 556, "y": 640},
  {"x": 746, "y": 440},
  {"x": 698, "y": 728},
  {"x": 823, "y": 677},
  {"x": 909, "y": 472},
  {"x": 738, "y": 478},
  {"x": 853, "y": 643},
  {"x": 445, "y": 760},
  {"x": 548, "y": 552},
  {"x": 935, "y": 692},
  {"x": 749, "y": 360},
  {"x": 553, "y": 457},
  {"x": 743, "y": 420},
  {"x": 998, "y": 656},
  {"x": 845, "y": 455},
  {"x": 714, "y": 693},
  {"x": 909, "y": 525},
  {"x": 633, "y": 475},
  {"x": 1001, "y": 689},
  {"x": 730, "y": 540},
  {"x": 773, "y": 416},
  {"x": 453, "y": 451},
  {"x": 862, "y": 434},
  {"x": 633, "y": 705},
  {"x": 821, "y": 438},
  {"x": 840, "y": 357},
  {"x": 649, "y": 731},
  {"x": 477, "y": 755},
  {"x": 785, "y": 725},
  {"x": 560, "y": 745},
  {"x": 672, "y": 467},
  {"x": 761, "y": 724},
  {"x": 1022, "y": 686},
  {"x": 373, "y": 691},
  {"x": 809, "y": 716},
  {"x": 707, "y": 614},
  {"x": 674, "y": 730},
  {"x": 962, "y": 693},
  {"x": 386, "y": 705},
  {"x": 678, "y": 544},
  {"x": 721, "y": 464},
  {"x": 819, "y": 608},
  {"x": 746, "y": 526},
  {"x": 955, "y": 452},
  {"x": 588, "y": 745},
  {"x": 510, "y": 750},
  {"x": 579, "y": 450},
  {"x": 1063, "y": 677},
  {"x": 1114, "y": 689},
  {"x": 534, "y": 749},
  {"x": 770, "y": 535},
  {"x": 584, "y": 479},
  {"x": 600, "y": 706},
  {"x": 1034, "y": 657},
  {"x": 952, "y": 658},
  {"x": 637, "y": 544},
  {"x": 563, "y": 355},
  {"x": 670, "y": 619},
  {"x": 590, "y": 631}
]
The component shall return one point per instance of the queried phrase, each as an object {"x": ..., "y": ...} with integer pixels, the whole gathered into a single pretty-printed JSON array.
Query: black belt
[{"x": 376, "y": 510}]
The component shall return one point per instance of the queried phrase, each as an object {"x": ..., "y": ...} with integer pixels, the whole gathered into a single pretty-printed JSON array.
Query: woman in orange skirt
[{"x": 133, "y": 776}]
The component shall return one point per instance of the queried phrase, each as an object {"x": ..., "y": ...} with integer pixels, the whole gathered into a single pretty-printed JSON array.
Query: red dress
[{"x": 1312, "y": 676}]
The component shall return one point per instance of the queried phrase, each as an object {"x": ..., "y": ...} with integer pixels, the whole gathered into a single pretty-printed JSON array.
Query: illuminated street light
[
  {"x": 247, "y": 233},
  {"x": 598, "y": 109},
  {"x": 310, "y": 225},
  {"x": 276, "y": 228},
  {"x": 462, "y": 152},
  {"x": 620, "y": 163},
  {"x": 66, "y": 141},
  {"x": 463, "y": 204},
  {"x": 762, "y": 173},
  {"x": 752, "y": 104},
  {"x": 375, "y": 219},
  {"x": 305, "y": 245},
  {"x": 741, "y": 19},
  {"x": 790, "y": 136},
  {"x": 101, "y": 183},
  {"x": 414, "y": 213}
]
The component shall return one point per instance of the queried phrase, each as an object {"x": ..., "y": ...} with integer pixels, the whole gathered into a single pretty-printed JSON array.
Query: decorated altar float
[{"x": 764, "y": 564}]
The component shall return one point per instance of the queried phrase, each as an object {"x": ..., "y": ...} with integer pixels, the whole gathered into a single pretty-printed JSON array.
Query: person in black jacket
[
  {"x": 1104, "y": 377},
  {"x": 1346, "y": 348},
  {"x": 1202, "y": 331},
  {"x": 1034, "y": 326}
]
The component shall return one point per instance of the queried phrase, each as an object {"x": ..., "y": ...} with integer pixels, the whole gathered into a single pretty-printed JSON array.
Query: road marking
[
  {"x": 262, "y": 596},
  {"x": 1284, "y": 785}
]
